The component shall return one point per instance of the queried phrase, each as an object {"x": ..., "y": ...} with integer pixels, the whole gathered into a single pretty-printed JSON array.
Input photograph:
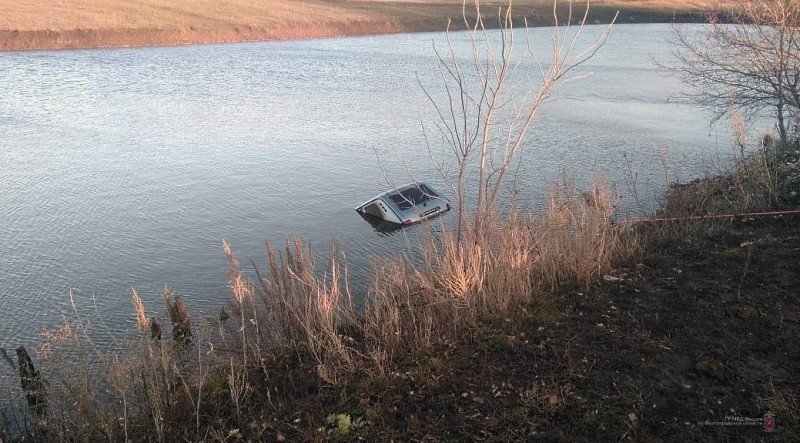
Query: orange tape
[{"x": 712, "y": 216}]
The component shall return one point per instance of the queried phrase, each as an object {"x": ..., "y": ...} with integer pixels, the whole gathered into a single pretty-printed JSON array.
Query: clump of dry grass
[
  {"x": 414, "y": 303},
  {"x": 294, "y": 308},
  {"x": 512, "y": 262},
  {"x": 578, "y": 239},
  {"x": 76, "y": 374}
]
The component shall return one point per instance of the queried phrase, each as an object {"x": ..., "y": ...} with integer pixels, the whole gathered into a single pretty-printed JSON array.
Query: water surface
[{"x": 126, "y": 168}]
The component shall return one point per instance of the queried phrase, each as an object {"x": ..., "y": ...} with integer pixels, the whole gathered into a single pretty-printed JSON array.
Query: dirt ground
[{"x": 695, "y": 340}]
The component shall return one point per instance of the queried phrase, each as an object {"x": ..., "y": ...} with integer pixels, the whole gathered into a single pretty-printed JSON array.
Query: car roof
[
  {"x": 393, "y": 191},
  {"x": 391, "y": 198},
  {"x": 404, "y": 187}
]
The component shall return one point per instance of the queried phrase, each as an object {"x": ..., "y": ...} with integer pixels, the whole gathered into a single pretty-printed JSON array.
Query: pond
[{"x": 124, "y": 168}]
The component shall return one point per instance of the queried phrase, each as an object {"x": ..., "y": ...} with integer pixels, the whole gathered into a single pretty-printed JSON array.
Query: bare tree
[
  {"x": 492, "y": 96},
  {"x": 746, "y": 62}
]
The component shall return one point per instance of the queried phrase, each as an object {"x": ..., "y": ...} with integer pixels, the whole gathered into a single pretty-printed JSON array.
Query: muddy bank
[{"x": 12, "y": 40}]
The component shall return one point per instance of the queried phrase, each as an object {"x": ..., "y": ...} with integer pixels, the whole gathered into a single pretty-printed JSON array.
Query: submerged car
[{"x": 406, "y": 205}]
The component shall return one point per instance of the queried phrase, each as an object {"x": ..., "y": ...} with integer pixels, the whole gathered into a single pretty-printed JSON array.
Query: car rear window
[{"x": 412, "y": 196}]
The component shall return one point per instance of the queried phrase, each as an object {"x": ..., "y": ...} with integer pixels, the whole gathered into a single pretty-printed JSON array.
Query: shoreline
[{"x": 38, "y": 40}]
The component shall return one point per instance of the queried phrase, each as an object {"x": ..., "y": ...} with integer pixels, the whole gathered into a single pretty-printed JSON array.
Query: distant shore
[{"x": 431, "y": 20}]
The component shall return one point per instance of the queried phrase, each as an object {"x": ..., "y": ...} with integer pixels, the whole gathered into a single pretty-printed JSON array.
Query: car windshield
[{"x": 413, "y": 196}]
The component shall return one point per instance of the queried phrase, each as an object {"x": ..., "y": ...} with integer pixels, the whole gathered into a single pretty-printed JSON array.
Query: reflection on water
[
  {"x": 127, "y": 168},
  {"x": 381, "y": 226}
]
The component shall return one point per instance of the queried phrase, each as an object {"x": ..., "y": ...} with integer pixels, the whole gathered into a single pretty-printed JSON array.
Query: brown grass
[
  {"x": 46, "y": 24},
  {"x": 413, "y": 304}
]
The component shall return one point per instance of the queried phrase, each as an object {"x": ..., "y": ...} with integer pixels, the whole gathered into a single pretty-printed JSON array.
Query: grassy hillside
[{"x": 40, "y": 24}]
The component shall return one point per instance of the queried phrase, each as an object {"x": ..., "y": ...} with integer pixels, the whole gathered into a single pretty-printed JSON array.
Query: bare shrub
[
  {"x": 747, "y": 62},
  {"x": 492, "y": 98}
]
